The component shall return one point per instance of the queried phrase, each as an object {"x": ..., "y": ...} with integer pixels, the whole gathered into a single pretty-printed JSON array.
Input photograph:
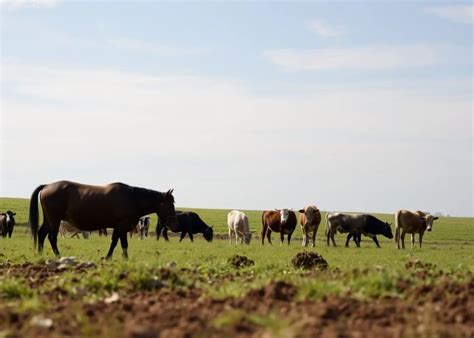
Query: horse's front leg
[{"x": 113, "y": 244}]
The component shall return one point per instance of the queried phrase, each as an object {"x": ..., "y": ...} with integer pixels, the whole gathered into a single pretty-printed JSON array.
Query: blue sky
[{"x": 349, "y": 106}]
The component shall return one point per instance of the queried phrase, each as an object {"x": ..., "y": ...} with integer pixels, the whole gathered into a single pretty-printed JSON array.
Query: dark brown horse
[{"x": 89, "y": 208}]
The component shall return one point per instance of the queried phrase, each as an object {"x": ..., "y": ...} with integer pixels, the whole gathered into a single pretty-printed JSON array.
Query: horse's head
[{"x": 166, "y": 211}]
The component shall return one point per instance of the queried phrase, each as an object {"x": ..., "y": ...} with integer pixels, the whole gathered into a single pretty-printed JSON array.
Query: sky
[{"x": 351, "y": 106}]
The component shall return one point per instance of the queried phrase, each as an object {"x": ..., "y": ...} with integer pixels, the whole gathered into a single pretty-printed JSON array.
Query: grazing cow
[
  {"x": 89, "y": 208},
  {"x": 188, "y": 223},
  {"x": 238, "y": 224},
  {"x": 310, "y": 219},
  {"x": 356, "y": 225},
  {"x": 143, "y": 226},
  {"x": 282, "y": 221},
  {"x": 66, "y": 228},
  {"x": 412, "y": 223},
  {"x": 103, "y": 232},
  {"x": 7, "y": 223}
]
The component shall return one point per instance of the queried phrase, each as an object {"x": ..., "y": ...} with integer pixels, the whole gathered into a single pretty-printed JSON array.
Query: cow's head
[
  {"x": 311, "y": 213},
  {"x": 247, "y": 238},
  {"x": 208, "y": 233},
  {"x": 429, "y": 219},
  {"x": 387, "y": 230},
  {"x": 284, "y": 214}
]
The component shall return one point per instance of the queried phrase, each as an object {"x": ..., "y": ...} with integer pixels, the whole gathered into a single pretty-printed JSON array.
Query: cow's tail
[
  {"x": 397, "y": 227},
  {"x": 34, "y": 214}
]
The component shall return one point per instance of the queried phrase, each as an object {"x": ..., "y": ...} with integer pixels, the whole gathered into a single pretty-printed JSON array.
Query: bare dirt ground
[{"x": 444, "y": 310}]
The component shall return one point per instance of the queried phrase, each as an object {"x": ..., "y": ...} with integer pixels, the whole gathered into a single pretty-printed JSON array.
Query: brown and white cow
[
  {"x": 408, "y": 222},
  {"x": 238, "y": 224},
  {"x": 310, "y": 219},
  {"x": 282, "y": 221}
]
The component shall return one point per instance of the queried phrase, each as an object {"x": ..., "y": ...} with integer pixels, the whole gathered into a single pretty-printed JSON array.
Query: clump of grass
[{"x": 11, "y": 288}]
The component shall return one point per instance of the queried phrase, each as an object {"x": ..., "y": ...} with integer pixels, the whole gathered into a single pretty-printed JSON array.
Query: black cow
[
  {"x": 356, "y": 226},
  {"x": 7, "y": 223},
  {"x": 188, "y": 223}
]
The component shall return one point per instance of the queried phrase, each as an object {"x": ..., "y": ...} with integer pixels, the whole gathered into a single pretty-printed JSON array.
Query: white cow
[{"x": 238, "y": 224}]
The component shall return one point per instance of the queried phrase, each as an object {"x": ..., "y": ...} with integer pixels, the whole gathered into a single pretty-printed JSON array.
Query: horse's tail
[{"x": 34, "y": 215}]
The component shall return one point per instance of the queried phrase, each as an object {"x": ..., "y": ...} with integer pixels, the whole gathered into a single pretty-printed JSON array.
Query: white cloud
[
  {"x": 324, "y": 29},
  {"x": 151, "y": 47},
  {"x": 381, "y": 57},
  {"x": 456, "y": 13},
  {"x": 222, "y": 145},
  {"x": 23, "y": 4}
]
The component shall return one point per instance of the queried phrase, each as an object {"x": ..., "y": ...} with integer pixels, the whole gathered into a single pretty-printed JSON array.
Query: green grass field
[{"x": 364, "y": 273}]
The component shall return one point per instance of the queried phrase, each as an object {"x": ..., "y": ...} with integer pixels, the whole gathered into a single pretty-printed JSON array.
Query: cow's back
[
  {"x": 271, "y": 219},
  {"x": 410, "y": 221},
  {"x": 237, "y": 220}
]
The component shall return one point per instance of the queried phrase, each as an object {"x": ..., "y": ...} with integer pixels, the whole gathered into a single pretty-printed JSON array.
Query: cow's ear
[
  {"x": 15, "y": 214},
  {"x": 301, "y": 211},
  {"x": 435, "y": 218}
]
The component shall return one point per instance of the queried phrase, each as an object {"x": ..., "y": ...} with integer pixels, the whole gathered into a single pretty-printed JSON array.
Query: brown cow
[
  {"x": 309, "y": 219},
  {"x": 282, "y": 221},
  {"x": 412, "y": 223}
]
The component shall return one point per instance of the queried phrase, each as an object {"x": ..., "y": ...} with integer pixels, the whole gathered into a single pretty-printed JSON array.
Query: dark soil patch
[
  {"x": 238, "y": 261},
  {"x": 37, "y": 274},
  {"x": 309, "y": 260},
  {"x": 187, "y": 313}
]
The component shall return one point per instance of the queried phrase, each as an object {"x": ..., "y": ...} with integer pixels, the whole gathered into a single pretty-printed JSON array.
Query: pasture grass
[{"x": 365, "y": 272}]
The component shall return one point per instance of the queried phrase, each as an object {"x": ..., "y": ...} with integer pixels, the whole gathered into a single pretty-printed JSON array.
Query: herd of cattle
[{"x": 282, "y": 221}]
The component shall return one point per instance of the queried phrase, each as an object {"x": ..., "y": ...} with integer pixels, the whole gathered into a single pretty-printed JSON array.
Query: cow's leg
[
  {"x": 332, "y": 233},
  {"x": 358, "y": 238},
  {"x": 230, "y": 236},
  {"x": 397, "y": 236},
  {"x": 269, "y": 236},
  {"x": 42, "y": 232},
  {"x": 124, "y": 244},
  {"x": 412, "y": 240},
  {"x": 349, "y": 236},
  {"x": 402, "y": 237},
  {"x": 289, "y": 237},
  {"x": 376, "y": 241},
  {"x": 421, "y": 237},
  {"x": 191, "y": 236},
  {"x": 10, "y": 233},
  {"x": 263, "y": 233},
  {"x": 183, "y": 233},
  {"x": 314, "y": 237},
  {"x": 113, "y": 244},
  {"x": 282, "y": 237}
]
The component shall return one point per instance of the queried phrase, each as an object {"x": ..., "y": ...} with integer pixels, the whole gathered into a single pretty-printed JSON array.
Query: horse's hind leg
[
  {"x": 124, "y": 244},
  {"x": 115, "y": 238},
  {"x": 42, "y": 232},
  {"x": 53, "y": 239}
]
